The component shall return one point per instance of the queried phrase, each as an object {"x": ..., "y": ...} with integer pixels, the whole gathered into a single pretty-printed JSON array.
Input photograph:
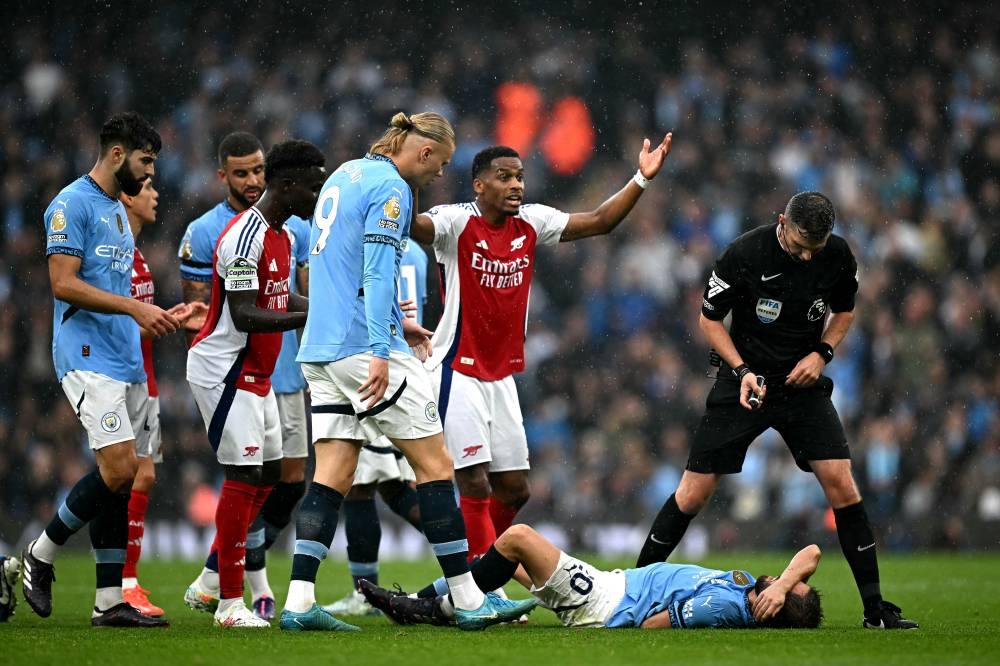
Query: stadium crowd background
[{"x": 896, "y": 116}]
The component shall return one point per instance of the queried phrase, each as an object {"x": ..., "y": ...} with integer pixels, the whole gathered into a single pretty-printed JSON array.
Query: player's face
[
  {"x": 137, "y": 168},
  {"x": 795, "y": 243},
  {"x": 244, "y": 177},
  {"x": 144, "y": 204},
  {"x": 433, "y": 159},
  {"x": 501, "y": 187},
  {"x": 304, "y": 191}
]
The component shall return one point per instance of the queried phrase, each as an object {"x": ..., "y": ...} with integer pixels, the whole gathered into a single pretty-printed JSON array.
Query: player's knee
[
  {"x": 519, "y": 533},
  {"x": 248, "y": 474},
  {"x": 293, "y": 470},
  {"x": 145, "y": 479}
]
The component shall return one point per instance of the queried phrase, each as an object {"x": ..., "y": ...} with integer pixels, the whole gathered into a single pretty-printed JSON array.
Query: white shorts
[
  {"x": 242, "y": 427},
  {"x": 292, "y": 416},
  {"x": 408, "y": 410},
  {"x": 482, "y": 421},
  {"x": 148, "y": 443},
  {"x": 380, "y": 461},
  {"x": 111, "y": 411},
  {"x": 580, "y": 594}
]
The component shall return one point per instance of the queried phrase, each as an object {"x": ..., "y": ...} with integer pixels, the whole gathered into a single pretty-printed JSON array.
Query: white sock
[
  {"x": 107, "y": 597},
  {"x": 44, "y": 548},
  {"x": 259, "y": 587},
  {"x": 208, "y": 580},
  {"x": 447, "y": 607},
  {"x": 301, "y": 596},
  {"x": 129, "y": 583},
  {"x": 226, "y": 604},
  {"x": 465, "y": 594}
]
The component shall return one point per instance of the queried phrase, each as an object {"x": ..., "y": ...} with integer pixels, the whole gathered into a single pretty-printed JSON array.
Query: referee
[{"x": 790, "y": 288}]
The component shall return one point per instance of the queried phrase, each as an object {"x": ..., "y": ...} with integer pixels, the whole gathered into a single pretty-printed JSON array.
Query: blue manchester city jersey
[
  {"x": 693, "y": 596},
  {"x": 361, "y": 221},
  {"x": 83, "y": 221},
  {"x": 287, "y": 377},
  {"x": 198, "y": 244}
]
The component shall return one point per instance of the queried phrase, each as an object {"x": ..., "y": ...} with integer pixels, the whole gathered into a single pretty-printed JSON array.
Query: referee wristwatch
[{"x": 824, "y": 350}]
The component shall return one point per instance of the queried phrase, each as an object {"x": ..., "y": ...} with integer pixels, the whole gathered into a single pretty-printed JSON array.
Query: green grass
[{"x": 956, "y": 598}]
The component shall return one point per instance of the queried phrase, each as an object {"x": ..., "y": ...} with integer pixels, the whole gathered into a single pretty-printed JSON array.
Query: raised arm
[
  {"x": 799, "y": 569},
  {"x": 609, "y": 214}
]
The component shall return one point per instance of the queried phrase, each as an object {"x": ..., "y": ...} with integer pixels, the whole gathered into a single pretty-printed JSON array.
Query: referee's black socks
[
  {"x": 858, "y": 543},
  {"x": 668, "y": 528}
]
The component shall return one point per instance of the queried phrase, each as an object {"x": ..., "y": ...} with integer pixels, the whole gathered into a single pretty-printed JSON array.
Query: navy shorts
[{"x": 804, "y": 417}]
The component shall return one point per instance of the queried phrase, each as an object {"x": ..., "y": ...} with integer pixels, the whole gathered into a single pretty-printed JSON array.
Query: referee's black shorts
[{"x": 804, "y": 417}]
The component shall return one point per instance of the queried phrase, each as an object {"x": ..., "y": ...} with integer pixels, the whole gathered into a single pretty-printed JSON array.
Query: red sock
[
  {"x": 258, "y": 501},
  {"x": 231, "y": 519},
  {"x": 478, "y": 525},
  {"x": 501, "y": 514},
  {"x": 137, "y": 505}
]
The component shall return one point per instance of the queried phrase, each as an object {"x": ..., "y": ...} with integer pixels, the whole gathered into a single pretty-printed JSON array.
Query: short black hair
[
  {"x": 130, "y": 130},
  {"x": 481, "y": 162},
  {"x": 291, "y": 155},
  {"x": 238, "y": 144},
  {"x": 799, "y": 612},
  {"x": 813, "y": 214}
]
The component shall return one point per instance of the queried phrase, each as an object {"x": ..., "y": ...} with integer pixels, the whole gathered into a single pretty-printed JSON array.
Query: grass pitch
[{"x": 956, "y": 599}]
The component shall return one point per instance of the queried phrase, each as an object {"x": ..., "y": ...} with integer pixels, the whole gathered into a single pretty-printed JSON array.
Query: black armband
[
  {"x": 741, "y": 371},
  {"x": 824, "y": 350}
]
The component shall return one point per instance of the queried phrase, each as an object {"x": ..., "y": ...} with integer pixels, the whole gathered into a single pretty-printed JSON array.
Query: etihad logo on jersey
[
  {"x": 716, "y": 285},
  {"x": 121, "y": 258},
  {"x": 768, "y": 310}
]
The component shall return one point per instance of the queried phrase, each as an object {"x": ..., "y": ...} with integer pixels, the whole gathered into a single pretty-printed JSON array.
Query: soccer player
[
  {"x": 790, "y": 288},
  {"x": 657, "y": 596},
  {"x": 381, "y": 468},
  {"x": 141, "y": 210},
  {"x": 230, "y": 363},
  {"x": 362, "y": 378},
  {"x": 487, "y": 250},
  {"x": 98, "y": 360},
  {"x": 241, "y": 168}
]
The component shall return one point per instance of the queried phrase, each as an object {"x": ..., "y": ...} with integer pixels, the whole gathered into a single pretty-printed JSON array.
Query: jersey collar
[
  {"x": 229, "y": 207},
  {"x": 97, "y": 187},
  {"x": 381, "y": 158}
]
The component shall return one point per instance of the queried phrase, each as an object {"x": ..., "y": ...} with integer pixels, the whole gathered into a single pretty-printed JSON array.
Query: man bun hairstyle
[
  {"x": 130, "y": 130},
  {"x": 429, "y": 125},
  {"x": 290, "y": 156},
  {"x": 481, "y": 162},
  {"x": 812, "y": 213},
  {"x": 238, "y": 144}
]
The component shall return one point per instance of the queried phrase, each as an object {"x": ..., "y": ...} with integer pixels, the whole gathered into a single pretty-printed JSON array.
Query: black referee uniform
[{"x": 779, "y": 308}]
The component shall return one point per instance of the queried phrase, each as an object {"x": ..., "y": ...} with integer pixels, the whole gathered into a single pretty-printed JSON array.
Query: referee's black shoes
[{"x": 889, "y": 617}]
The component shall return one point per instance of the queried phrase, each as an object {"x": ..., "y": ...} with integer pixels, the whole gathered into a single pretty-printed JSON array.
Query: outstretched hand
[
  {"x": 419, "y": 339},
  {"x": 650, "y": 161}
]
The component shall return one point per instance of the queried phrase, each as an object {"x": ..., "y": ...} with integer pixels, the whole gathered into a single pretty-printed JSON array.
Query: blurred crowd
[{"x": 895, "y": 116}]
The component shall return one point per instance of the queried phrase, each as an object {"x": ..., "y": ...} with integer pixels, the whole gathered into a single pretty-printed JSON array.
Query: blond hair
[{"x": 428, "y": 125}]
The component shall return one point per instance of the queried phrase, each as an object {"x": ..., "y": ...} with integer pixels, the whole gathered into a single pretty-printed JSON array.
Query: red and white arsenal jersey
[
  {"x": 144, "y": 290},
  {"x": 486, "y": 280},
  {"x": 249, "y": 256}
]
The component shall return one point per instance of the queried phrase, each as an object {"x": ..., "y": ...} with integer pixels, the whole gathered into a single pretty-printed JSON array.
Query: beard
[
  {"x": 241, "y": 198},
  {"x": 129, "y": 184}
]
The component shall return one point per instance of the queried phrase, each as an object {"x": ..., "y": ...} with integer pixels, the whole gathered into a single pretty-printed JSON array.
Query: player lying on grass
[{"x": 658, "y": 596}]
